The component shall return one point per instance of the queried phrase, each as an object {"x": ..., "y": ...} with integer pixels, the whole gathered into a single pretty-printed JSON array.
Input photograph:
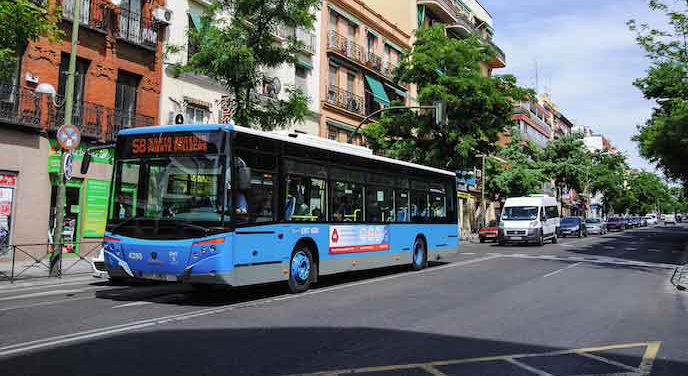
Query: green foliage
[
  {"x": 646, "y": 191},
  {"x": 567, "y": 162},
  {"x": 22, "y": 21},
  {"x": 478, "y": 108},
  {"x": 521, "y": 176},
  {"x": 663, "y": 139},
  {"x": 237, "y": 43},
  {"x": 607, "y": 177}
]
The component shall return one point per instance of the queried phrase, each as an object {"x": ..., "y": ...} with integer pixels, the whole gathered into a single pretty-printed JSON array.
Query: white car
[
  {"x": 669, "y": 219},
  {"x": 98, "y": 265},
  {"x": 651, "y": 220}
]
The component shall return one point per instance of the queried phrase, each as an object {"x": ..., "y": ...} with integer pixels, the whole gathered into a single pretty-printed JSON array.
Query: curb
[{"x": 7, "y": 285}]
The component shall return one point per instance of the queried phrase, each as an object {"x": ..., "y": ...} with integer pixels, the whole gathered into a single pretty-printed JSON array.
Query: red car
[{"x": 489, "y": 232}]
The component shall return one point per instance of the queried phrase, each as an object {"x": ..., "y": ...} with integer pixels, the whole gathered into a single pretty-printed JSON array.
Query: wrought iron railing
[
  {"x": 94, "y": 13},
  {"x": 43, "y": 260},
  {"x": 346, "y": 47},
  {"x": 345, "y": 99},
  {"x": 97, "y": 122},
  {"x": 136, "y": 28},
  {"x": 20, "y": 106}
]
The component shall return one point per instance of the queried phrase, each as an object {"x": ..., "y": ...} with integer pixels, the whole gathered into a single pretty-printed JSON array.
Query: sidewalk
[{"x": 31, "y": 270}]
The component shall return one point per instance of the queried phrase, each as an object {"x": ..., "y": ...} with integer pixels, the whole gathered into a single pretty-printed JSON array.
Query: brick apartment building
[{"x": 117, "y": 85}]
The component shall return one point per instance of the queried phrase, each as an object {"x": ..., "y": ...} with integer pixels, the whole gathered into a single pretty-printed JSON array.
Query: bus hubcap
[
  {"x": 300, "y": 267},
  {"x": 418, "y": 255}
]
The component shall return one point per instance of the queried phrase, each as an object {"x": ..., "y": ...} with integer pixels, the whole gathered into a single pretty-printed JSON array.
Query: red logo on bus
[{"x": 335, "y": 236}]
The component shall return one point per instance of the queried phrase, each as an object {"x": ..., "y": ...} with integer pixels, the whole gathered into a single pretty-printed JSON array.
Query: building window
[
  {"x": 350, "y": 81},
  {"x": 79, "y": 85},
  {"x": 196, "y": 114},
  {"x": 125, "y": 98},
  {"x": 333, "y": 21},
  {"x": 301, "y": 79},
  {"x": 192, "y": 46},
  {"x": 332, "y": 133}
]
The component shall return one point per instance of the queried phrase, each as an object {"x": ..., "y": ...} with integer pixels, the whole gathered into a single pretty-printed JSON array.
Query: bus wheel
[
  {"x": 420, "y": 255},
  {"x": 301, "y": 270}
]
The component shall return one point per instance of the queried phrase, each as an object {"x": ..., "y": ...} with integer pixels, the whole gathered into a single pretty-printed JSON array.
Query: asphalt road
[{"x": 593, "y": 306}]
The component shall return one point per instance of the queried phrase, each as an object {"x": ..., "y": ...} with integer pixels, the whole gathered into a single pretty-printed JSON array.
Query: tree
[
  {"x": 478, "y": 108},
  {"x": 521, "y": 176},
  {"x": 237, "y": 44},
  {"x": 567, "y": 162},
  {"x": 663, "y": 139},
  {"x": 22, "y": 21},
  {"x": 647, "y": 191},
  {"x": 607, "y": 177}
]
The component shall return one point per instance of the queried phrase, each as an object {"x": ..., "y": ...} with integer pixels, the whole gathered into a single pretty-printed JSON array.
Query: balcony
[
  {"x": 97, "y": 122},
  {"x": 95, "y": 14},
  {"x": 20, "y": 106},
  {"x": 445, "y": 10},
  {"x": 343, "y": 46},
  {"x": 302, "y": 35},
  {"x": 346, "y": 100},
  {"x": 137, "y": 29}
]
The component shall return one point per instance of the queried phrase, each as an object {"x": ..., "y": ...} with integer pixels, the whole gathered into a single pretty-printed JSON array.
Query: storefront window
[{"x": 8, "y": 183}]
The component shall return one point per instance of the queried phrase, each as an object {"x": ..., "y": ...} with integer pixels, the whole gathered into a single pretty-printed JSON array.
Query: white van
[{"x": 532, "y": 219}]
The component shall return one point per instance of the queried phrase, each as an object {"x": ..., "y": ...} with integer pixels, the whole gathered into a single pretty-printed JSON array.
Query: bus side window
[
  {"x": 305, "y": 199},
  {"x": 380, "y": 205},
  {"x": 347, "y": 202},
  {"x": 401, "y": 202}
]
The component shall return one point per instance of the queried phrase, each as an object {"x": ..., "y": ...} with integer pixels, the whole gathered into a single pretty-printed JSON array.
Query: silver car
[{"x": 596, "y": 226}]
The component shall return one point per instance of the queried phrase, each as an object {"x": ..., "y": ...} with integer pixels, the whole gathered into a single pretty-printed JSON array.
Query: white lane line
[
  {"x": 468, "y": 254},
  {"x": 527, "y": 367},
  {"x": 631, "y": 249},
  {"x": 46, "y": 303},
  {"x": 561, "y": 270},
  {"x": 134, "y": 304},
  {"x": 56, "y": 340}
]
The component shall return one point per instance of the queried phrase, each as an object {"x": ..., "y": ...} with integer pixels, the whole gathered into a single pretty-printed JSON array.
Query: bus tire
[
  {"x": 301, "y": 269},
  {"x": 419, "y": 258}
]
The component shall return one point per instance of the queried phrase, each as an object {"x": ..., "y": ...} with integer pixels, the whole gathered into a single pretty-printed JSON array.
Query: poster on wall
[
  {"x": 6, "y": 194},
  {"x": 95, "y": 208},
  {"x": 358, "y": 238}
]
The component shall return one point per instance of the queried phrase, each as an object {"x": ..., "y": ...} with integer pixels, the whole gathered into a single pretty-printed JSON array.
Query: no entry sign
[{"x": 69, "y": 137}]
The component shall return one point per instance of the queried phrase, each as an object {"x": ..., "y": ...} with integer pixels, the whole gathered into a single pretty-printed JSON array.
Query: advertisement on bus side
[{"x": 358, "y": 238}]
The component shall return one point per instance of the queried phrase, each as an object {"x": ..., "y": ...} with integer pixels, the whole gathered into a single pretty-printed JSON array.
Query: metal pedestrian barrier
[{"x": 46, "y": 260}]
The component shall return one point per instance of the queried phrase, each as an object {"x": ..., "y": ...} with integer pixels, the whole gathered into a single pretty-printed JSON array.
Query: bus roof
[{"x": 295, "y": 138}]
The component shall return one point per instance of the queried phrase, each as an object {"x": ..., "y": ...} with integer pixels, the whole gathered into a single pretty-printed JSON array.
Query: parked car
[
  {"x": 596, "y": 226},
  {"x": 533, "y": 219},
  {"x": 669, "y": 219},
  {"x": 489, "y": 232},
  {"x": 571, "y": 226},
  {"x": 616, "y": 223},
  {"x": 651, "y": 219}
]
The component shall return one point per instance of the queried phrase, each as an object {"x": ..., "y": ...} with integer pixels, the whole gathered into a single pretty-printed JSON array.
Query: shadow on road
[
  {"x": 174, "y": 293},
  {"x": 297, "y": 350}
]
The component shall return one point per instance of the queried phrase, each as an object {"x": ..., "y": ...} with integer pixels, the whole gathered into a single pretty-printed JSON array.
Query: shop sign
[
  {"x": 10, "y": 180},
  {"x": 464, "y": 195},
  {"x": 105, "y": 156},
  {"x": 95, "y": 209}
]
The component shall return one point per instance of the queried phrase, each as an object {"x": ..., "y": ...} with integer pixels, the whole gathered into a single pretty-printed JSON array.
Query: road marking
[
  {"x": 99, "y": 332},
  {"x": 12, "y": 289},
  {"x": 609, "y": 247},
  {"x": 46, "y": 303},
  {"x": 134, "y": 304},
  {"x": 602, "y": 260},
  {"x": 631, "y": 249},
  {"x": 643, "y": 369},
  {"x": 45, "y": 293},
  {"x": 561, "y": 270},
  {"x": 468, "y": 254}
]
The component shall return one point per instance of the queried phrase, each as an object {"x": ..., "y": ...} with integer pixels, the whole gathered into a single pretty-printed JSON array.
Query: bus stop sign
[{"x": 69, "y": 137}]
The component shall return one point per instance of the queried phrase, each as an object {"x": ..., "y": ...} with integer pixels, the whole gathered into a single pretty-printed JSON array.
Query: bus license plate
[
  {"x": 516, "y": 238},
  {"x": 160, "y": 277}
]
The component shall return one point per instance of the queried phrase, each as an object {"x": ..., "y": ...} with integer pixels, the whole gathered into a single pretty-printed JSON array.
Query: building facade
[
  {"x": 360, "y": 51},
  {"x": 202, "y": 100},
  {"x": 117, "y": 86}
]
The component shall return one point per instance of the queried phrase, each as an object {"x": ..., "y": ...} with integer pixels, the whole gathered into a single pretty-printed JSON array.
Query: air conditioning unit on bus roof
[{"x": 325, "y": 143}]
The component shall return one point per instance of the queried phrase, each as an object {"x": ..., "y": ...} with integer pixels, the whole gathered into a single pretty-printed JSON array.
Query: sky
[{"x": 587, "y": 59}]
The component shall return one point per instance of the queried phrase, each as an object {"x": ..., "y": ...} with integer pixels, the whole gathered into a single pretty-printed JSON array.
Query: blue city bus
[{"x": 228, "y": 205}]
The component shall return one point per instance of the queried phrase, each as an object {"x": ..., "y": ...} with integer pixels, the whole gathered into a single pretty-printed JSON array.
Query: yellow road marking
[{"x": 652, "y": 348}]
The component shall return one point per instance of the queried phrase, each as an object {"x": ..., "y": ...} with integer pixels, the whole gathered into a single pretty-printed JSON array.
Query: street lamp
[{"x": 484, "y": 177}]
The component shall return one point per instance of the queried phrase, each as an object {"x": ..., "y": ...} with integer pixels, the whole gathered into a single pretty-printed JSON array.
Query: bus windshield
[{"x": 520, "y": 213}]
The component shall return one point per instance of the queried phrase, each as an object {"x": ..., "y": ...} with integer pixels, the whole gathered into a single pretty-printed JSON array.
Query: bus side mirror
[
  {"x": 244, "y": 178},
  {"x": 85, "y": 163}
]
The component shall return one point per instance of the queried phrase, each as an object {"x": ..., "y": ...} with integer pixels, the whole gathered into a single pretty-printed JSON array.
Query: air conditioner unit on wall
[{"x": 162, "y": 15}]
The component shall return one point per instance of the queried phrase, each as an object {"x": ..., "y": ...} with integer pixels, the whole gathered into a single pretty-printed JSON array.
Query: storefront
[
  {"x": 86, "y": 197},
  {"x": 8, "y": 183}
]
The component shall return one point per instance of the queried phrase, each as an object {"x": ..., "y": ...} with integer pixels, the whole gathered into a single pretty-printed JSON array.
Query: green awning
[
  {"x": 375, "y": 33},
  {"x": 391, "y": 44},
  {"x": 304, "y": 64},
  {"x": 195, "y": 20},
  {"x": 345, "y": 14},
  {"x": 378, "y": 90},
  {"x": 421, "y": 16},
  {"x": 340, "y": 125},
  {"x": 400, "y": 92}
]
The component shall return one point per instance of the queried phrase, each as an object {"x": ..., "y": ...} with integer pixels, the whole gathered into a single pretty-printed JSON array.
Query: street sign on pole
[
  {"x": 69, "y": 137},
  {"x": 68, "y": 166}
]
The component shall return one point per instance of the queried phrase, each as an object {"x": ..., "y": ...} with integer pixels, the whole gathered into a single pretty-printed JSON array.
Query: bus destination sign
[{"x": 177, "y": 143}]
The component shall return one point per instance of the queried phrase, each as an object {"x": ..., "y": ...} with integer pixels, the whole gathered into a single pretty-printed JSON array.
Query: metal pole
[
  {"x": 14, "y": 255},
  {"x": 69, "y": 105},
  {"x": 483, "y": 195}
]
